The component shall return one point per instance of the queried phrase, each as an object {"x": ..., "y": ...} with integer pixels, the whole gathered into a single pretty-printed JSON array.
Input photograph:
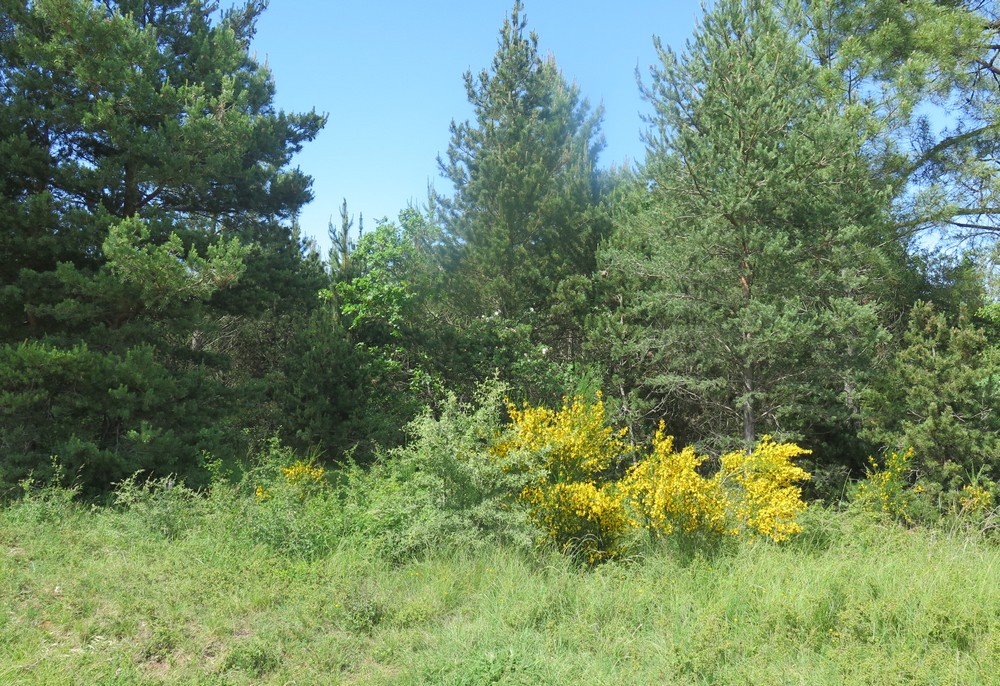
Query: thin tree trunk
[
  {"x": 131, "y": 200},
  {"x": 749, "y": 420}
]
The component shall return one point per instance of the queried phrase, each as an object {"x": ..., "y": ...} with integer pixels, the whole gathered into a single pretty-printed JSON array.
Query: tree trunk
[{"x": 749, "y": 421}]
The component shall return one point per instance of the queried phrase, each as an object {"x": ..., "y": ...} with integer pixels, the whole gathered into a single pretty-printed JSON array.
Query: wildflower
[
  {"x": 767, "y": 499},
  {"x": 975, "y": 499},
  {"x": 886, "y": 489},
  {"x": 302, "y": 476},
  {"x": 570, "y": 450}
]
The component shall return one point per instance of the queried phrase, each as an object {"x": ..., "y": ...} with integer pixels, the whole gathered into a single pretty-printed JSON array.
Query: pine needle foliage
[{"x": 747, "y": 270}]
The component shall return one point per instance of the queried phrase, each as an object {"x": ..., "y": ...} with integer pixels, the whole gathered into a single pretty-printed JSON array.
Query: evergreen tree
[
  {"x": 940, "y": 396},
  {"x": 926, "y": 74},
  {"x": 341, "y": 244},
  {"x": 143, "y": 144},
  {"x": 524, "y": 222},
  {"x": 361, "y": 367},
  {"x": 745, "y": 266}
]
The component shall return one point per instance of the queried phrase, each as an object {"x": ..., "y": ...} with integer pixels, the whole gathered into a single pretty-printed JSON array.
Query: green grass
[{"x": 104, "y": 596}]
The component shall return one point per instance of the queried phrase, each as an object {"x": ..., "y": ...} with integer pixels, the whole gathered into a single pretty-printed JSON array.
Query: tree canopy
[{"x": 808, "y": 251}]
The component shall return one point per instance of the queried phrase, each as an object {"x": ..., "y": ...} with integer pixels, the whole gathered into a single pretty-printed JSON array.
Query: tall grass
[{"x": 169, "y": 588}]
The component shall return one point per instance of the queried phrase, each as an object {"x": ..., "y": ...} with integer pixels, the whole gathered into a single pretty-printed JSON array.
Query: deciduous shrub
[
  {"x": 761, "y": 487},
  {"x": 669, "y": 495},
  {"x": 567, "y": 455},
  {"x": 887, "y": 489},
  {"x": 753, "y": 492},
  {"x": 443, "y": 488},
  {"x": 165, "y": 505},
  {"x": 975, "y": 499},
  {"x": 283, "y": 501},
  {"x": 571, "y": 457}
]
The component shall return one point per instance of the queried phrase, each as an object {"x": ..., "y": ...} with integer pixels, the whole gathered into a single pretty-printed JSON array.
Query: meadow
[{"x": 172, "y": 587}]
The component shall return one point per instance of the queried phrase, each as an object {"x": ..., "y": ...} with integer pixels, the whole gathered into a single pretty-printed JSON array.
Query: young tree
[
  {"x": 745, "y": 269},
  {"x": 342, "y": 246},
  {"x": 524, "y": 219},
  {"x": 940, "y": 396}
]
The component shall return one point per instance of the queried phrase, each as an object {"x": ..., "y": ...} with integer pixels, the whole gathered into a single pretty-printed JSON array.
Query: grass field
[{"x": 112, "y": 596}]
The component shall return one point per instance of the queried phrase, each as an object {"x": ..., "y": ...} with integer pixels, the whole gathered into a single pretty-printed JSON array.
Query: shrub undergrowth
[
  {"x": 572, "y": 458},
  {"x": 425, "y": 568}
]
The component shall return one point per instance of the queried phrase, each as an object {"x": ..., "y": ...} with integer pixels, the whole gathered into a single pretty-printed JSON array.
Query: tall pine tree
[
  {"x": 745, "y": 263},
  {"x": 524, "y": 221},
  {"x": 141, "y": 142}
]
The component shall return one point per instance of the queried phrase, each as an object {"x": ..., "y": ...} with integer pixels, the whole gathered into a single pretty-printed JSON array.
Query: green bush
[
  {"x": 444, "y": 488},
  {"x": 45, "y": 500},
  {"x": 164, "y": 506},
  {"x": 280, "y": 501}
]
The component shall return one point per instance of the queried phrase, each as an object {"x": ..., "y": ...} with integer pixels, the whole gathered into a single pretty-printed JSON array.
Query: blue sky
[{"x": 389, "y": 74}]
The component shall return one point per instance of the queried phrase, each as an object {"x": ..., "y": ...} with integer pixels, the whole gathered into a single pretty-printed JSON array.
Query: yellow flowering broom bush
[
  {"x": 975, "y": 500},
  {"x": 752, "y": 492},
  {"x": 580, "y": 517},
  {"x": 669, "y": 495},
  {"x": 571, "y": 453},
  {"x": 886, "y": 490},
  {"x": 975, "y": 508},
  {"x": 569, "y": 444},
  {"x": 304, "y": 477},
  {"x": 761, "y": 488},
  {"x": 567, "y": 454}
]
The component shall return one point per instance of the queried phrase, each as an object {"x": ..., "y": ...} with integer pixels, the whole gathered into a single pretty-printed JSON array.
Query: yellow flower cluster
[
  {"x": 570, "y": 452},
  {"x": 303, "y": 477},
  {"x": 667, "y": 491},
  {"x": 571, "y": 444},
  {"x": 975, "y": 499},
  {"x": 302, "y": 473},
  {"x": 886, "y": 490},
  {"x": 261, "y": 493},
  {"x": 580, "y": 517},
  {"x": 752, "y": 492},
  {"x": 765, "y": 498}
]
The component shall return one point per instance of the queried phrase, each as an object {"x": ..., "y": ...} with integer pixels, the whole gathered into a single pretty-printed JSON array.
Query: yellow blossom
[
  {"x": 752, "y": 491},
  {"x": 571, "y": 453},
  {"x": 570, "y": 450},
  {"x": 886, "y": 489},
  {"x": 975, "y": 499},
  {"x": 766, "y": 499},
  {"x": 669, "y": 493},
  {"x": 303, "y": 476}
]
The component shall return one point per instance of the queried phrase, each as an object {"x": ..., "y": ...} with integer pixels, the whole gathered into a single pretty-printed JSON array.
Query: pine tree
[
  {"x": 745, "y": 266},
  {"x": 143, "y": 147},
  {"x": 926, "y": 74},
  {"x": 341, "y": 244},
  {"x": 524, "y": 217},
  {"x": 939, "y": 395}
]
